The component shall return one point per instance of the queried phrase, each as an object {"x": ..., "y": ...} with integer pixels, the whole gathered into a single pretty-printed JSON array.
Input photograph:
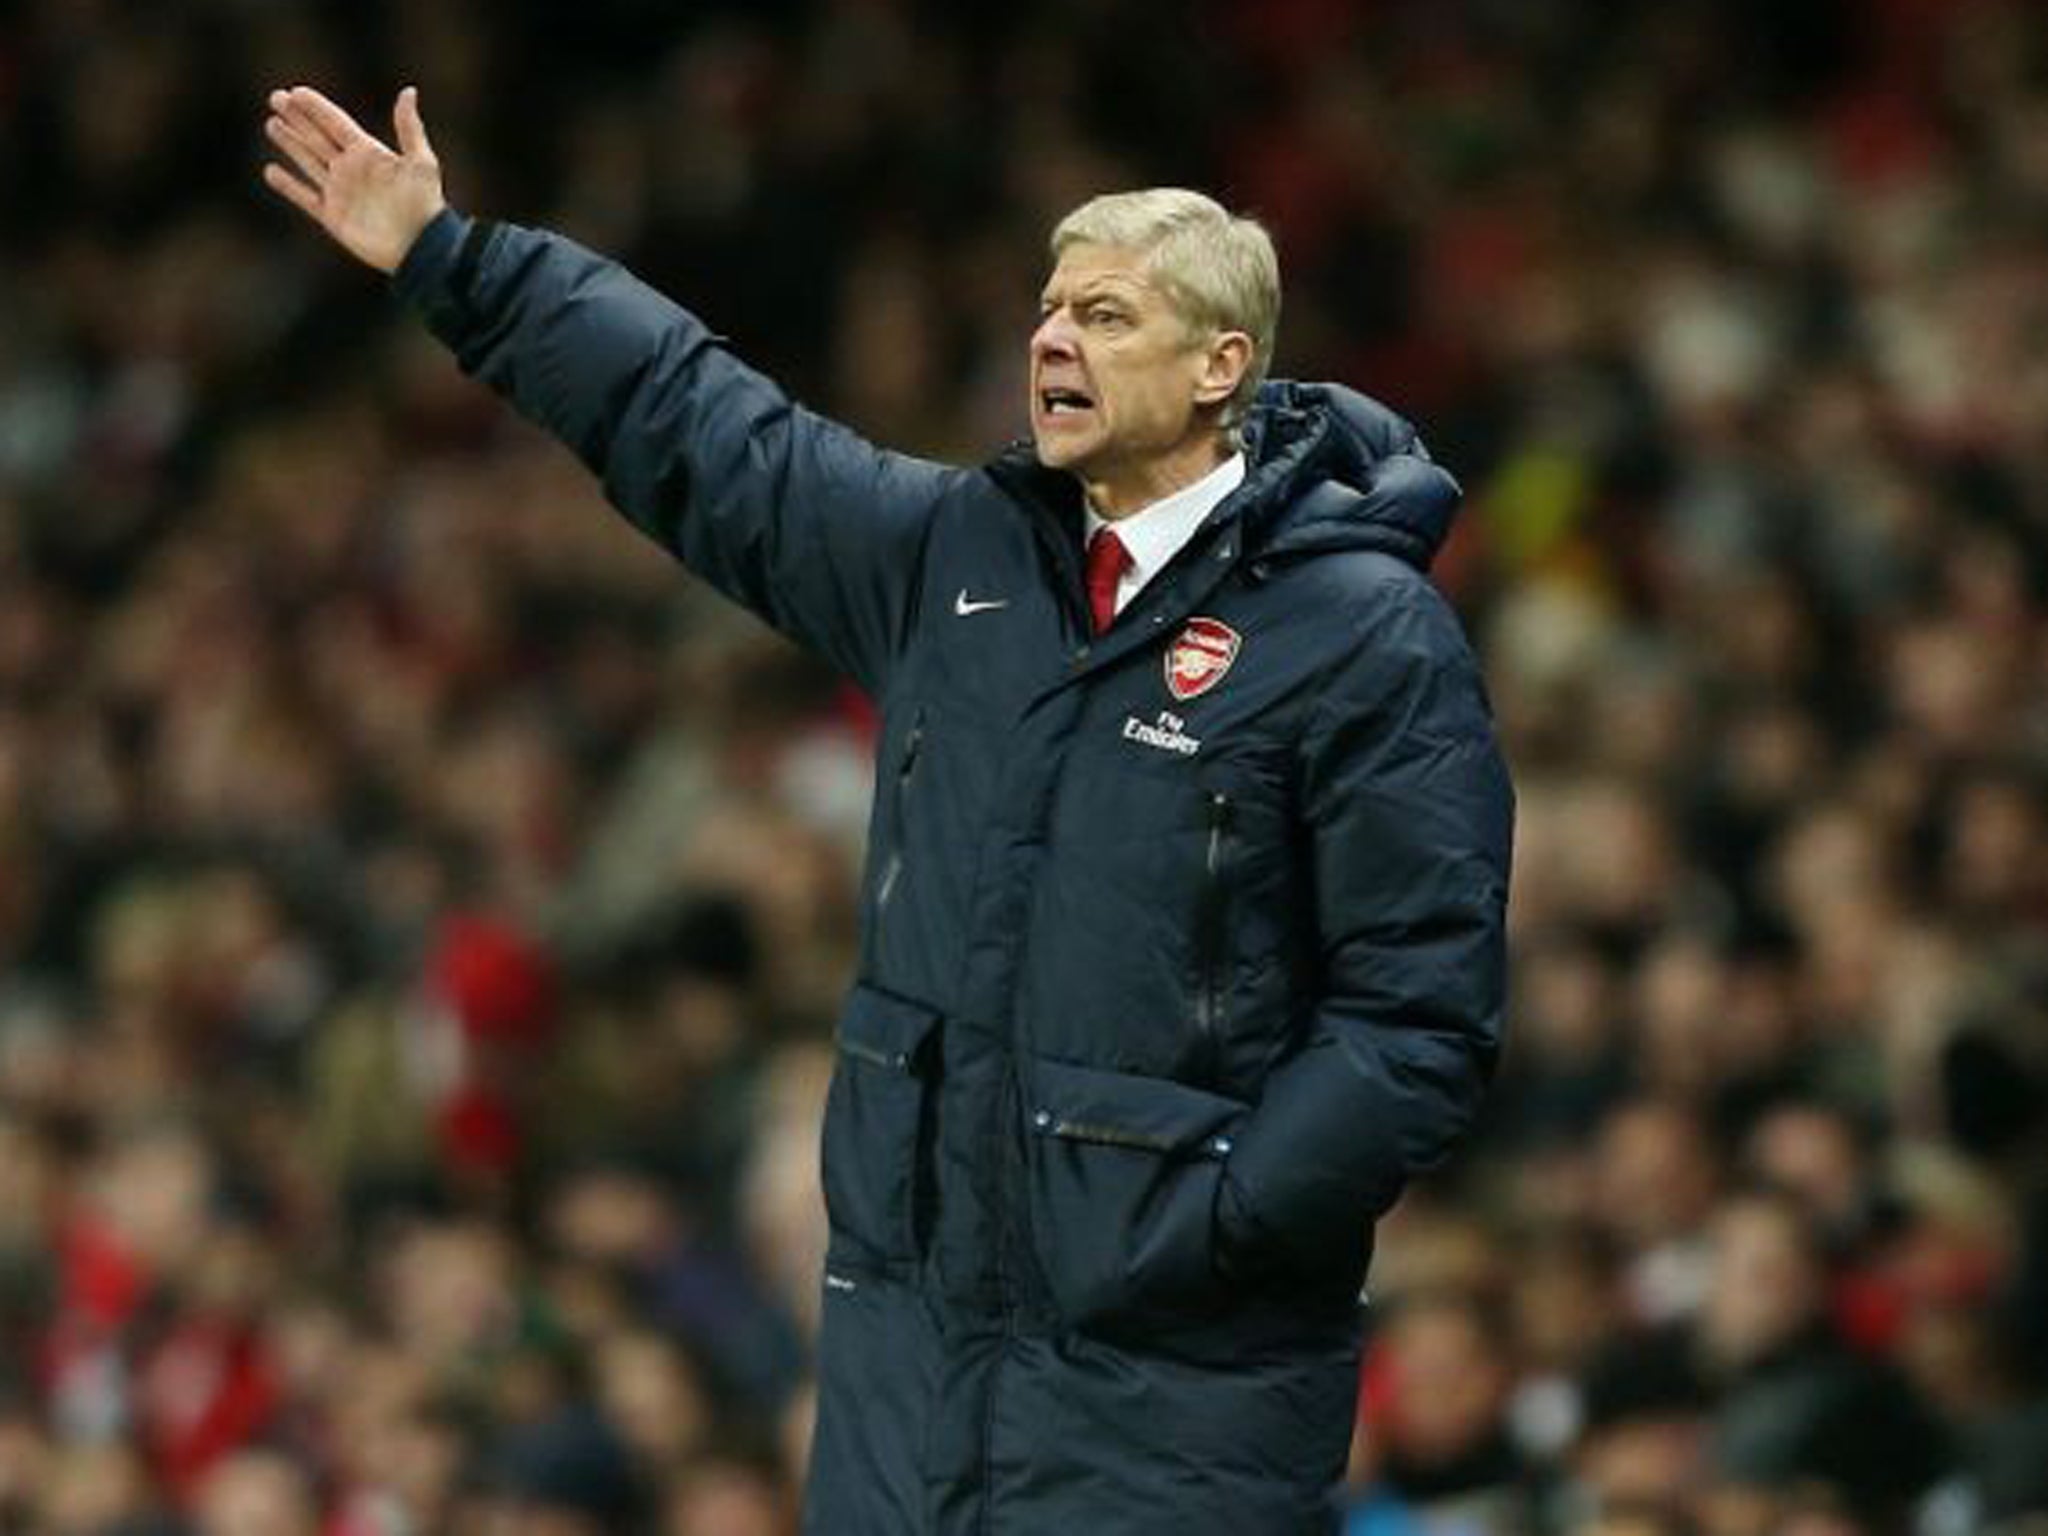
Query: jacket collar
[{"x": 1329, "y": 469}]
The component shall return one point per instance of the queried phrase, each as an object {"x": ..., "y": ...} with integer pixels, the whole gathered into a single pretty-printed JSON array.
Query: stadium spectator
[{"x": 1435, "y": 1427}]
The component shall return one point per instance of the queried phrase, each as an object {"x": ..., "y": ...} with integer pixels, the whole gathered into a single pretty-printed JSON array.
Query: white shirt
[{"x": 1153, "y": 535}]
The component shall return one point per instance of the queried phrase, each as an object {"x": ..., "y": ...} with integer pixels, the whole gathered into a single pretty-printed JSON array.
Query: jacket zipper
[
  {"x": 1209, "y": 938},
  {"x": 895, "y": 1061},
  {"x": 1101, "y": 1134},
  {"x": 892, "y": 867}
]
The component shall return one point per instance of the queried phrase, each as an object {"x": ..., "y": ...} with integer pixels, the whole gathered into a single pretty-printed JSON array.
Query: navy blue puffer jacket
[{"x": 1182, "y": 947}]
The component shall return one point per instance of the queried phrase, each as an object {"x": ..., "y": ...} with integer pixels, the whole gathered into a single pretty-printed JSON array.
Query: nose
[{"x": 1054, "y": 338}]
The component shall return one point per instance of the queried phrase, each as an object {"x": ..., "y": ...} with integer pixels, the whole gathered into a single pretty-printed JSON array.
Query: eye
[{"x": 1107, "y": 316}]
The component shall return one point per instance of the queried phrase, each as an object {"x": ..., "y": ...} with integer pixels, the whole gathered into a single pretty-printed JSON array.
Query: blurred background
[{"x": 422, "y": 907}]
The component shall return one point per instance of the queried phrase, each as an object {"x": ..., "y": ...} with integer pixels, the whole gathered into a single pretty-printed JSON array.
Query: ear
[{"x": 1224, "y": 362}]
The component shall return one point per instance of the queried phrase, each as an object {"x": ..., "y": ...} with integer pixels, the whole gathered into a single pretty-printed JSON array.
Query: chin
[{"x": 1058, "y": 450}]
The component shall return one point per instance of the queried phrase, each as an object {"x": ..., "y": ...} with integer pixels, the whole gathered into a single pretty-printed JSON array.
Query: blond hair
[{"x": 1216, "y": 268}]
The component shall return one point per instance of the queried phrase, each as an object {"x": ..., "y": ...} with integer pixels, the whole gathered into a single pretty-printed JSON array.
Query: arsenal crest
[{"x": 1197, "y": 660}]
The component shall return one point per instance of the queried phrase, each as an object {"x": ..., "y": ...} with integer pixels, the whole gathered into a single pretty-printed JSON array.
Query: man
[{"x": 1182, "y": 926}]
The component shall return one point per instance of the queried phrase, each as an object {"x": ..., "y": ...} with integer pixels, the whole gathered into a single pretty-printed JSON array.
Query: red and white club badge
[{"x": 1198, "y": 658}]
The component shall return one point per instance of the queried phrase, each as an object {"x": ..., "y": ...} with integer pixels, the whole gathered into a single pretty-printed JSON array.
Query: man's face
[{"x": 1116, "y": 373}]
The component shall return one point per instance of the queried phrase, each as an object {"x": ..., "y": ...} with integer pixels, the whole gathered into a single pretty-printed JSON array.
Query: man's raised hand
[{"x": 373, "y": 201}]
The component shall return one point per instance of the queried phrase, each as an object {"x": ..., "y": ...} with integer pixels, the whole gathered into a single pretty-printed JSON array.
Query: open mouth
[{"x": 1059, "y": 401}]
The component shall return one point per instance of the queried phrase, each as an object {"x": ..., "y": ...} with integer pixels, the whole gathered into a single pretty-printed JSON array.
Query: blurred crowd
[{"x": 422, "y": 907}]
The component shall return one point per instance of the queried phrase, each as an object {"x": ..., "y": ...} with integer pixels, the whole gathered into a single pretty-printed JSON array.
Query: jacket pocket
[
  {"x": 1122, "y": 1174},
  {"x": 877, "y": 1124}
]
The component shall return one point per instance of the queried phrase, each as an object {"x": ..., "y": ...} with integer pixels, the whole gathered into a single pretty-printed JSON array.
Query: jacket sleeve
[
  {"x": 792, "y": 515},
  {"x": 1410, "y": 816}
]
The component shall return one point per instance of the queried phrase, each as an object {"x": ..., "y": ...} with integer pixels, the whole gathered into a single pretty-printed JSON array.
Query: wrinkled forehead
[{"x": 1085, "y": 268}]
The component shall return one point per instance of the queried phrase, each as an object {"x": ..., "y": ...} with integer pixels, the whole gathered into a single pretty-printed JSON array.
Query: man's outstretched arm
[{"x": 793, "y": 515}]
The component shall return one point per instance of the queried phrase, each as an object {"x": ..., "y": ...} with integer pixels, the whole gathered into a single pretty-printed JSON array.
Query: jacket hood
[{"x": 1335, "y": 469}]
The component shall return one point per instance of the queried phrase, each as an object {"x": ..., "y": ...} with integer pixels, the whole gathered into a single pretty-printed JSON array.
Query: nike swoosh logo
[{"x": 963, "y": 605}]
